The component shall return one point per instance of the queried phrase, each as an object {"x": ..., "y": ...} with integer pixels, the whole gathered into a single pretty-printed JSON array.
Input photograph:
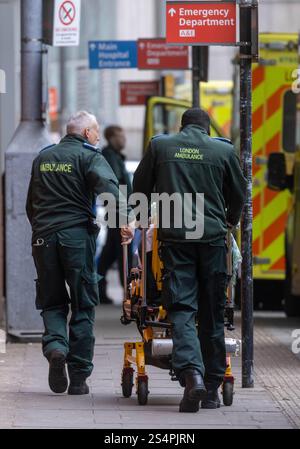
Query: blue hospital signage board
[{"x": 113, "y": 54}]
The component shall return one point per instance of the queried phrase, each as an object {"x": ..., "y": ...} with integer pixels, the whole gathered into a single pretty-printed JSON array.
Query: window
[
  {"x": 289, "y": 122},
  {"x": 167, "y": 119}
]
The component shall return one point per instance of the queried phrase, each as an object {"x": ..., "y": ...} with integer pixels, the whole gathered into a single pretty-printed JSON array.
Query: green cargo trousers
[
  {"x": 66, "y": 258},
  {"x": 194, "y": 284}
]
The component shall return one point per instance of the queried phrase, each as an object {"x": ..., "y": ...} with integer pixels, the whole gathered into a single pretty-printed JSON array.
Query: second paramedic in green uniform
[
  {"x": 195, "y": 270},
  {"x": 65, "y": 180}
]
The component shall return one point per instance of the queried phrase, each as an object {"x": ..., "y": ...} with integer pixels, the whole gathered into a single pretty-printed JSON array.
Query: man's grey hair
[{"x": 80, "y": 121}]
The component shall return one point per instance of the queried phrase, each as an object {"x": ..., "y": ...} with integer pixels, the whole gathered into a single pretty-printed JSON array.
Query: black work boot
[
  {"x": 78, "y": 387},
  {"x": 194, "y": 391},
  {"x": 104, "y": 299},
  {"x": 58, "y": 381},
  {"x": 211, "y": 400}
]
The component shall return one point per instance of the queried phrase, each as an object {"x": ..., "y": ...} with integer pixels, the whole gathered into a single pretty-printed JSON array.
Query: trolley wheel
[
  {"x": 142, "y": 390},
  {"x": 227, "y": 393},
  {"x": 127, "y": 382}
]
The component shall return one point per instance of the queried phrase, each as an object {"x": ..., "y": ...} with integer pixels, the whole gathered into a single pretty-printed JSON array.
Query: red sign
[
  {"x": 135, "y": 93},
  {"x": 157, "y": 54},
  {"x": 209, "y": 23},
  {"x": 67, "y": 13}
]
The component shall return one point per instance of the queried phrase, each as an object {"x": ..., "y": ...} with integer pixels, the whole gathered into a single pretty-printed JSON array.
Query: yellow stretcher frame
[{"x": 134, "y": 352}]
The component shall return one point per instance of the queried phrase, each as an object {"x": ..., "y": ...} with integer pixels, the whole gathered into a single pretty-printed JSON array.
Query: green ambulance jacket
[
  {"x": 190, "y": 162},
  {"x": 65, "y": 180}
]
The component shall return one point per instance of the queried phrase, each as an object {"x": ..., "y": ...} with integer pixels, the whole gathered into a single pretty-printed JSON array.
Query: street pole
[
  {"x": 22, "y": 319},
  {"x": 63, "y": 88},
  {"x": 164, "y": 109},
  {"x": 246, "y": 56},
  {"x": 196, "y": 63},
  {"x": 199, "y": 71},
  {"x": 31, "y": 60}
]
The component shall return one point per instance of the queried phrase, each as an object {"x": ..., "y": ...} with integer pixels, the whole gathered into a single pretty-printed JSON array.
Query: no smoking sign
[
  {"x": 62, "y": 22},
  {"x": 67, "y": 13}
]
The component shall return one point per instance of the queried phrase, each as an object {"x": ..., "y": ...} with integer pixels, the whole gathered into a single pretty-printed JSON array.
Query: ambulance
[{"x": 282, "y": 151}]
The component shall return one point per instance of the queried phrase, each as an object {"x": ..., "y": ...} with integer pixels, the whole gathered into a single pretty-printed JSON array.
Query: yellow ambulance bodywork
[
  {"x": 271, "y": 91},
  {"x": 295, "y": 231},
  {"x": 215, "y": 98}
]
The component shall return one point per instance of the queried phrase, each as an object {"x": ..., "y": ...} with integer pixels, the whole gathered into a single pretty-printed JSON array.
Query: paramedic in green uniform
[
  {"x": 65, "y": 180},
  {"x": 195, "y": 269}
]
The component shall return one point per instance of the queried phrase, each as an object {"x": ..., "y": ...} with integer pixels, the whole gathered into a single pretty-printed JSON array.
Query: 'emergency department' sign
[
  {"x": 62, "y": 22},
  {"x": 202, "y": 23},
  {"x": 155, "y": 54}
]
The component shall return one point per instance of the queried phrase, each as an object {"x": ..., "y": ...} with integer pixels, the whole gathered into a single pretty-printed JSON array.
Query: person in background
[{"x": 112, "y": 250}]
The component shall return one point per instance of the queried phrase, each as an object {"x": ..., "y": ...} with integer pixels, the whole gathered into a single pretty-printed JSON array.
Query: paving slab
[{"x": 26, "y": 401}]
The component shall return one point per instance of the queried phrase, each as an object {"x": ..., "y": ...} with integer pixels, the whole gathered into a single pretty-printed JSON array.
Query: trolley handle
[
  {"x": 144, "y": 266},
  {"x": 230, "y": 297},
  {"x": 125, "y": 270},
  {"x": 229, "y": 252}
]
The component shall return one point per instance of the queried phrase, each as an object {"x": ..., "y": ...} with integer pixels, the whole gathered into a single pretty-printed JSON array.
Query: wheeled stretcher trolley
[{"x": 155, "y": 346}]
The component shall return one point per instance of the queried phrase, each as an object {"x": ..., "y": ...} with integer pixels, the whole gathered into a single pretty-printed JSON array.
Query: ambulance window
[
  {"x": 167, "y": 120},
  {"x": 289, "y": 122},
  {"x": 298, "y": 123}
]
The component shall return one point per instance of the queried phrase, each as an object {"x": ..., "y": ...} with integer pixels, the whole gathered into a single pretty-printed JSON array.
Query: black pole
[
  {"x": 199, "y": 71},
  {"x": 196, "y": 76},
  {"x": 246, "y": 222},
  {"x": 164, "y": 110}
]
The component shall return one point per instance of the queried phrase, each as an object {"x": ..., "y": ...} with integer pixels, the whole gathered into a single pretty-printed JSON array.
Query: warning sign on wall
[
  {"x": 62, "y": 22},
  {"x": 135, "y": 93},
  {"x": 53, "y": 103}
]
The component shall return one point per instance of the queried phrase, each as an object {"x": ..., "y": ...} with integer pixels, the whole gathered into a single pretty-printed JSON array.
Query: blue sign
[{"x": 113, "y": 54}]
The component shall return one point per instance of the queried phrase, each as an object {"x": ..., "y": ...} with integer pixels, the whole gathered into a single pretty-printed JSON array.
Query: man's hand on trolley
[
  {"x": 127, "y": 233},
  {"x": 229, "y": 226}
]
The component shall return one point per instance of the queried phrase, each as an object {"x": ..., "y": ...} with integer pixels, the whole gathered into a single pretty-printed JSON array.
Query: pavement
[{"x": 274, "y": 403}]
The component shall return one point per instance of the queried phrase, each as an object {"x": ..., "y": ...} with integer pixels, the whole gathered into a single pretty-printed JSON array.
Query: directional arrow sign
[
  {"x": 202, "y": 23},
  {"x": 112, "y": 54},
  {"x": 172, "y": 11}
]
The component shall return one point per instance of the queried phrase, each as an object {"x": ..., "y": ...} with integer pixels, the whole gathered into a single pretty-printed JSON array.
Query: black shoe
[
  {"x": 58, "y": 381},
  {"x": 194, "y": 391},
  {"x": 211, "y": 400},
  {"x": 105, "y": 300},
  {"x": 78, "y": 387}
]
